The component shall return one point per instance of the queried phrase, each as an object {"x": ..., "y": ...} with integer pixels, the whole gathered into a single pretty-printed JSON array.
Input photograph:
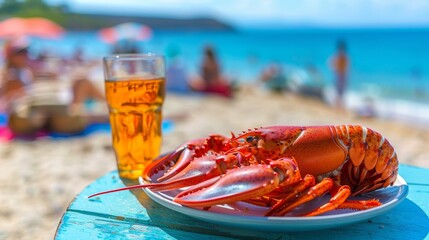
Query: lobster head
[{"x": 267, "y": 142}]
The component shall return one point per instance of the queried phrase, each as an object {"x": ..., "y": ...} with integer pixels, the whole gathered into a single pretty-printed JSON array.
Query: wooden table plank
[{"x": 131, "y": 214}]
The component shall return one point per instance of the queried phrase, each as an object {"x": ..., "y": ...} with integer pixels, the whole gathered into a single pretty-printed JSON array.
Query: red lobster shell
[{"x": 280, "y": 166}]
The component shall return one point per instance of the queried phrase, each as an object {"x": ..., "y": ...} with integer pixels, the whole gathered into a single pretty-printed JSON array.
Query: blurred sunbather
[
  {"x": 32, "y": 106},
  {"x": 211, "y": 79}
]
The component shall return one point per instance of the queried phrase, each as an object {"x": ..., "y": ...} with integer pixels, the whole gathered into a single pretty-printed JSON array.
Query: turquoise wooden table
[{"x": 133, "y": 215}]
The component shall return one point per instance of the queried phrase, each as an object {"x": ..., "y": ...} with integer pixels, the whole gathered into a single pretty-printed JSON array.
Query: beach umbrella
[
  {"x": 37, "y": 26},
  {"x": 125, "y": 31}
]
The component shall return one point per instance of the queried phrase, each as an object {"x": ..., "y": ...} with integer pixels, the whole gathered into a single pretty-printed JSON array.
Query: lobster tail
[{"x": 372, "y": 160}]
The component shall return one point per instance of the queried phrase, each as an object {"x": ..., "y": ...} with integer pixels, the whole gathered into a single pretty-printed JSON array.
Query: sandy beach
[{"x": 38, "y": 179}]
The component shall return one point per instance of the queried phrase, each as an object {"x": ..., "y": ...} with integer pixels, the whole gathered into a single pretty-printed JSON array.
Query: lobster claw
[
  {"x": 243, "y": 183},
  {"x": 176, "y": 160},
  {"x": 199, "y": 170},
  {"x": 182, "y": 161},
  {"x": 196, "y": 171},
  {"x": 183, "y": 155}
]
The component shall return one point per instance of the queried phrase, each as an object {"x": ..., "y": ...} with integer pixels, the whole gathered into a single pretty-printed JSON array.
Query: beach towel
[{"x": 7, "y": 135}]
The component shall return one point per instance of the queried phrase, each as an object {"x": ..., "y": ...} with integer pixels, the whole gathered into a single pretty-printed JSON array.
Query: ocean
[{"x": 388, "y": 66}]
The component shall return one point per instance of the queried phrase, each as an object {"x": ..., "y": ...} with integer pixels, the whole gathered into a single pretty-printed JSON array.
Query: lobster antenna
[{"x": 119, "y": 189}]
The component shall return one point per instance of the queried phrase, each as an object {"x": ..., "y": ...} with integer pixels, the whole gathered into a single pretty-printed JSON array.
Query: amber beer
[{"x": 135, "y": 107}]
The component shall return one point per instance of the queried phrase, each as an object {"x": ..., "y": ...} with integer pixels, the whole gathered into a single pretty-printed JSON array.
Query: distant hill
[
  {"x": 83, "y": 21},
  {"x": 75, "y": 21}
]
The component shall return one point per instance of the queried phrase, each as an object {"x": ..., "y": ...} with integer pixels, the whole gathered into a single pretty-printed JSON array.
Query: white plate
[{"x": 248, "y": 216}]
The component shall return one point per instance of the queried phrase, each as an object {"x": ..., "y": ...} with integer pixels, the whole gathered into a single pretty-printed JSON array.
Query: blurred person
[
  {"x": 16, "y": 74},
  {"x": 211, "y": 80},
  {"x": 340, "y": 66},
  {"x": 29, "y": 108},
  {"x": 274, "y": 78}
]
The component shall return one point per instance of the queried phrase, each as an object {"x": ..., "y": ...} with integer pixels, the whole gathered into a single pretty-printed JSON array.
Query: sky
[{"x": 325, "y": 13}]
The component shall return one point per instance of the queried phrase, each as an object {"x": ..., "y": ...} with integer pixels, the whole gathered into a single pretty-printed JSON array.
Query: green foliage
[
  {"x": 74, "y": 21},
  {"x": 32, "y": 8},
  {"x": 59, "y": 14},
  {"x": 10, "y": 6}
]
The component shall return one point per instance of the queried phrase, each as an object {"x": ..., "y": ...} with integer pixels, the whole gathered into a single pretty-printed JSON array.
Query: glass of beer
[{"x": 135, "y": 91}]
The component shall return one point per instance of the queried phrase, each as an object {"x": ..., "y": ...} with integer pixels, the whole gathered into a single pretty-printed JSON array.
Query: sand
[{"x": 38, "y": 179}]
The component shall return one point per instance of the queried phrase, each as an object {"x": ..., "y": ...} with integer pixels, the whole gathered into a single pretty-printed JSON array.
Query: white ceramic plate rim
[{"x": 288, "y": 223}]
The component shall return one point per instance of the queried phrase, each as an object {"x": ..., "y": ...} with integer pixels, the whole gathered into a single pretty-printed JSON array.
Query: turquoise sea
[{"x": 390, "y": 66}]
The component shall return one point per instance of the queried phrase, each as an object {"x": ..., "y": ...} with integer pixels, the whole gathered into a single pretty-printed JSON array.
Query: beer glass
[{"x": 135, "y": 91}]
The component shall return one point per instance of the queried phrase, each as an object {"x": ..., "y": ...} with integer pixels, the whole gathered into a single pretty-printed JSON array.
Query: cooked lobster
[{"x": 280, "y": 167}]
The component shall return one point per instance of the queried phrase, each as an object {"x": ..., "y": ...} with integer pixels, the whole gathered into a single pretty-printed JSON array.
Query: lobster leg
[
  {"x": 318, "y": 190},
  {"x": 339, "y": 201},
  {"x": 308, "y": 181},
  {"x": 263, "y": 201},
  {"x": 340, "y": 197},
  {"x": 360, "y": 205}
]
